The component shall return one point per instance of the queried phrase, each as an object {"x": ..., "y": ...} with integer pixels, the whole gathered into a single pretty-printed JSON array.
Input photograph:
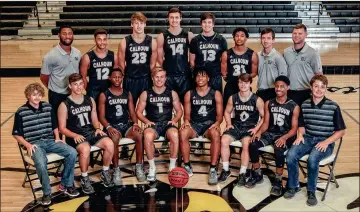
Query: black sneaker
[
  {"x": 311, "y": 201},
  {"x": 277, "y": 188},
  {"x": 86, "y": 185},
  {"x": 254, "y": 179},
  {"x": 45, "y": 200},
  {"x": 290, "y": 193},
  {"x": 224, "y": 176},
  {"x": 156, "y": 153},
  {"x": 124, "y": 154},
  {"x": 241, "y": 180},
  {"x": 106, "y": 179},
  {"x": 72, "y": 192}
]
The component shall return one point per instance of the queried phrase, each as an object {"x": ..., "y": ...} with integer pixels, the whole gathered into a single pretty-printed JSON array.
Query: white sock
[
  {"x": 172, "y": 163},
  {"x": 225, "y": 166},
  {"x": 152, "y": 164},
  {"x": 243, "y": 169},
  {"x": 105, "y": 168},
  {"x": 84, "y": 174}
]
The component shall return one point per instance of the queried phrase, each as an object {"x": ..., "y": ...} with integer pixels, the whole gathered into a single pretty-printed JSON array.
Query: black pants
[
  {"x": 55, "y": 99},
  {"x": 266, "y": 94},
  {"x": 299, "y": 96}
]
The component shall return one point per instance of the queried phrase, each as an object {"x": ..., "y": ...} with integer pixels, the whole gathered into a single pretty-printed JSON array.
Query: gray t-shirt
[
  {"x": 59, "y": 66},
  {"x": 302, "y": 66},
  {"x": 270, "y": 67}
]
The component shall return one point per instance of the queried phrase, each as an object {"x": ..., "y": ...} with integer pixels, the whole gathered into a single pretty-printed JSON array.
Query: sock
[
  {"x": 84, "y": 174},
  {"x": 258, "y": 171},
  {"x": 138, "y": 164},
  {"x": 187, "y": 164},
  {"x": 173, "y": 162},
  {"x": 225, "y": 166},
  {"x": 105, "y": 168},
  {"x": 117, "y": 168},
  {"x": 212, "y": 167},
  {"x": 152, "y": 164},
  {"x": 243, "y": 169}
]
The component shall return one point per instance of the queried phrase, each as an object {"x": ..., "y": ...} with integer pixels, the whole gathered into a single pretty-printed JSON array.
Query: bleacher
[
  {"x": 114, "y": 16},
  {"x": 13, "y": 15},
  {"x": 344, "y": 14}
]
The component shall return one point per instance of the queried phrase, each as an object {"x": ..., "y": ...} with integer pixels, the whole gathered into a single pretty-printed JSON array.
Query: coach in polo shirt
[
  {"x": 271, "y": 65},
  {"x": 58, "y": 64},
  {"x": 320, "y": 126},
  {"x": 303, "y": 63}
]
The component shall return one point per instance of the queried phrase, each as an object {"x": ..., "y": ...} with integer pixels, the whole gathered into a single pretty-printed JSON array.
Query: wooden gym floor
[{"x": 29, "y": 53}]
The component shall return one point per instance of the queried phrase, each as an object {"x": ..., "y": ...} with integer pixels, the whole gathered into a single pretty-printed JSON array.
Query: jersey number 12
[{"x": 102, "y": 73}]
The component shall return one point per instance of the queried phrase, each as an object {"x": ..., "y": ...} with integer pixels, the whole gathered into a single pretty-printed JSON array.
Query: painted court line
[
  {"x": 7, "y": 119},
  {"x": 351, "y": 117}
]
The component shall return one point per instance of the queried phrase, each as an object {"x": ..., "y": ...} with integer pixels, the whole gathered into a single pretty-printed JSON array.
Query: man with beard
[
  {"x": 236, "y": 61},
  {"x": 58, "y": 64},
  {"x": 97, "y": 64}
]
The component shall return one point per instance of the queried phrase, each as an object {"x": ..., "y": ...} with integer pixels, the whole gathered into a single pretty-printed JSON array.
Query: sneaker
[
  {"x": 45, "y": 200},
  {"x": 290, "y": 193},
  {"x": 213, "y": 178},
  {"x": 72, "y": 192},
  {"x": 311, "y": 201},
  {"x": 105, "y": 177},
  {"x": 224, "y": 175},
  {"x": 254, "y": 179},
  {"x": 164, "y": 147},
  {"x": 117, "y": 177},
  {"x": 199, "y": 151},
  {"x": 241, "y": 180},
  {"x": 140, "y": 175},
  {"x": 61, "y": 188},
  {"x": 124, "y": 154},
  {"x": 277, "y": 188},
  {"x": 156, "y": 153},
  {"x": 189, "y": 170},
  {"x": 151, "y": 177},
  {"x": 86, "y": 185}
]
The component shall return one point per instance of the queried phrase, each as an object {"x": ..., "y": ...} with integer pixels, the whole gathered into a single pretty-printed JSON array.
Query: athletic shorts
[
  {"x": 89, "y": 138},
  {"x": 122, "y": 128},
  {"x": 268, "y": 138},
  {"x": 94, "y": 92},
  {"x": 136, "y": 86},
  {"x": 266, "y": 94},
  {"x": 299, "y": 96},
  {"x": 216, "y": 83},
  {"x": 201, "y": 128},
  {"x": 180, "y": 84},
  {"x": 161, "y": 128},
  {"x": 230, "y": 88},
  {"x": 238, "y": 132}
]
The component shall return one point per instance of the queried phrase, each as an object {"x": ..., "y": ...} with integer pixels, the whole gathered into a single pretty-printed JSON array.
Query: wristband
[{"x": 108, "y": 127}]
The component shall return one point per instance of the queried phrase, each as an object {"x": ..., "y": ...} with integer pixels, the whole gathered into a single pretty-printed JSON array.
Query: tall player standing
[
  {"x": 236, "y": 61},
  {"x": 173, "y": 47},
  {"x": 203, "y": 116}
]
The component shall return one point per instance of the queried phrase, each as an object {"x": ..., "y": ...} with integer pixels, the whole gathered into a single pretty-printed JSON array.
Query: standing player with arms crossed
[
  {"x": 203, "y": 116},
  {"x": 115, "y": 109}
]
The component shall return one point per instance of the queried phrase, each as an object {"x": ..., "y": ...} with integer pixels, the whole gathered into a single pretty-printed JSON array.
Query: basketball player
[
  {"x": 202, "y": 117},
  {"x": 271, "y": 65},
  {"x": 137, "y": 57},
  {"x": 237, "y": 60},
  {"x": 97, "y": 64},
  {"x": 115, "y": 109},
  {"x": 303, "y": 62},
  {"x": 159, "y": 102},
  {"x": 79, "y": 123},
  {"x": 279, "y": 129},
  {"x": 322, "y": 124},
  {"x": 248, "y": 108},
  {"x": 206, "y": 49}
]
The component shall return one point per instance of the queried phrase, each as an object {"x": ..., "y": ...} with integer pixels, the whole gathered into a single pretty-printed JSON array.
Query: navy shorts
[
  {"x": 89, "y": 138},
  {"x": 136, "y": 86},
  {"x": 268, "y": 138},
  {"x": 201, "y": 128},
  {"x": 237, "y": 133},
  {"x": 231, "y": 88},
  {"x": 216, "y": 83},
  {"x": 180, "y": 84},
  {"x": 161, "y": 128},
  {"x": 122, "y": 128}
]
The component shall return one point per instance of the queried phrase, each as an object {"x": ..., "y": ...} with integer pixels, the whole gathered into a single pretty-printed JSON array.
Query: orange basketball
[{"x": 178, "y": 177}]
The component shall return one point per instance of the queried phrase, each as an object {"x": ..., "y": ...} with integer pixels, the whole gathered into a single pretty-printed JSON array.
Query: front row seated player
[
  {"x": 79, "y": 123},
  {"x": 279, "y": 129},
  {"x": 115, "y": 108},
  {"x": 203, "y": 109},
  {"x": 159, "y": 102},
  {"x": 248, "y": 108}
]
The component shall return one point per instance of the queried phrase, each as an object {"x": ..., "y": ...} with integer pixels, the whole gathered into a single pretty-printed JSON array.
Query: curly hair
[{"x": 30, "y": 89}]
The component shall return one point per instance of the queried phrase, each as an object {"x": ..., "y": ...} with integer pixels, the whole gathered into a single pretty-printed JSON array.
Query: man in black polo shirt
[
  {"x": 36, "y": 129},
  {"x": 320, "y": 126}
]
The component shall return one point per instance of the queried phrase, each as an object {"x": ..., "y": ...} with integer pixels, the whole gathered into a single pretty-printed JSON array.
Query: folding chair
[
  {"x": 52, "y": 158},
  {"x": 329, "y": 162}
]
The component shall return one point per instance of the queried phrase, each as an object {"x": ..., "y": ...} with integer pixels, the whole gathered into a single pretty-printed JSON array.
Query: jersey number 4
[
  {"x": 84, "y": 119},
  {"x": 138, "y": 57},
  {"x": 179, "y": 49},
  {"x": 202, "y": 111},
  {"x": 102, "y": 73}
]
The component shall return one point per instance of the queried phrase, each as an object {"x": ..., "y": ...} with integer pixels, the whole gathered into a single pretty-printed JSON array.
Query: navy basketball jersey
[
  {"x": 238, "y": 64},
  {"x": 159, "y": 107},
  {"x": 176, "y": 53},
  {"x": 79, "y": 116},
  {"x": 99, "y": 70},
  {"x": 116, "y": 107},
  {"x": 203, "y": 108},
  {"x": 138, "y": 57},
  {"x": 208, "y": 52},
  {"x": 246, "y": 113},
  {"x": 280, "y": 116}
]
